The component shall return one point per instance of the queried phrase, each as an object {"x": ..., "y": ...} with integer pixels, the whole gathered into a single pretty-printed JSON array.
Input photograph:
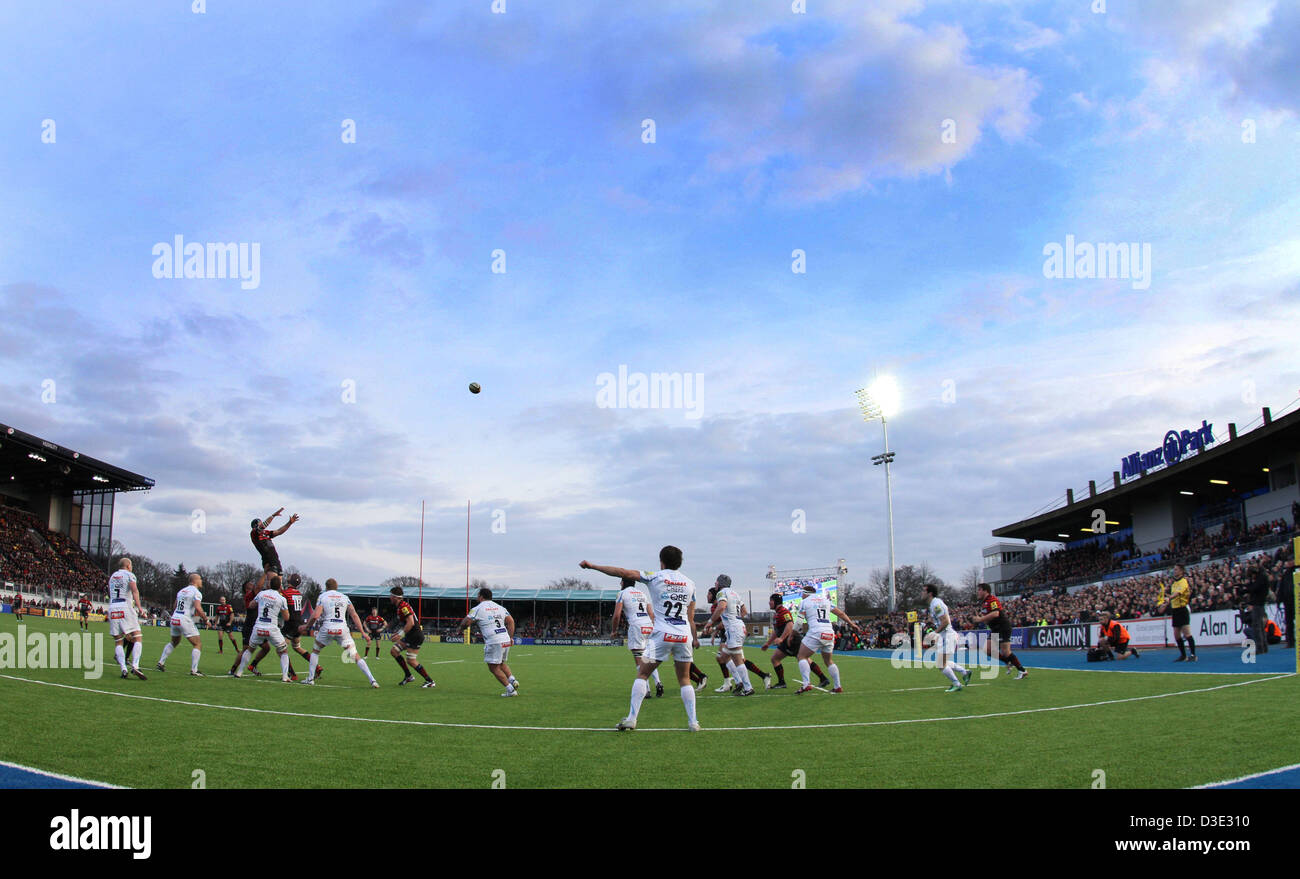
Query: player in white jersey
[
  {"x": 188, "y": 605},
  {"x": 672, "y": 594},
  {"x": 945, "y": 640},
  {"x": 497, "y": 627},
  {"x": 272, "y": 610},
  {"x": 332, "y": 613},
  {"x": 820, "y": 638},
  {"x": 124, "y": 612},
  {"x": 728, "y": 619},
  {"x": 633, "y": 604}
]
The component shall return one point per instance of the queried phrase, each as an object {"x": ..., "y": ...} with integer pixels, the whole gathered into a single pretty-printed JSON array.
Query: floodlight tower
[{"x": 881, "y": 401}]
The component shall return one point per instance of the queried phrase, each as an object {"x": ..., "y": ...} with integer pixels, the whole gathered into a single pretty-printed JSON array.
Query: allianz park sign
[{"x": 1176, "y": 446}]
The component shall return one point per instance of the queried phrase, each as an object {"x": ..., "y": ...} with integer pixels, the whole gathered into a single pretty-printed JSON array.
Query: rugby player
[
  {"x": 124, "y": 612},
  {"x": 272, "y": 610},
  {"x": 820, "y": 638},
  {"x": 17, "y": 607},
  {"x": 375, "y": 626},
  {"x": 1113, "y": 638},
  {"x": 333, "y": 611},
  {"x": 634, "y": 604},
  {"x": 407, "y": 638},
  {"x": 225, "y": 622},
  {"x": 945, "y": 640},
  {"x": 785, "y": 637},
  {"x": 672, "y": 594},
  {"x": 293, "y": 629},
  {"x": 497, "y": 627},
  {"x": 1180, "y": 615},
  {"x": 263, "y": 540},
  {"x": 728, "y": 616},
  {"x": 83, "y": 609},
  {"x": 250, "y": 618},
  {"x": 188, "y": 605},
  {"x": 1000, "y": 625}
]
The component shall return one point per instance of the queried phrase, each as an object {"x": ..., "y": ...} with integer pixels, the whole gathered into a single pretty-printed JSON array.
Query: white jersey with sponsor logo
[
  {"x": 937, "y": 612},
  {"x": 636, "y": 605},
  {"x": 185, "y": 602},
  {"x": 269, "y": 604},
  {"x": 491, "y": 620},
  {"x": 119, "y": 587},
  {"x": 731, "y": 614},
  {"x": 816, "y": 609},
  {"x": 671, "y": 594},
  {"x": 334, "y": 610}
]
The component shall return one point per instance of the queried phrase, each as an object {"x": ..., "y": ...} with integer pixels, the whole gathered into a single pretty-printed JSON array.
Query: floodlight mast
[{"x": 881, "y": 401}]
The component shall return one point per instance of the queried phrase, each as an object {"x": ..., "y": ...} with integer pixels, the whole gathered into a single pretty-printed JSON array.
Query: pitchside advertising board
[
  {"x": 792, "y": 591},
  {"x": 1216, "y": 628}
]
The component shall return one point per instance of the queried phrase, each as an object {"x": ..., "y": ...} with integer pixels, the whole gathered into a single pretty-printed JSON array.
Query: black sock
[
  {"x": 1182, "y": 651},
  {"x": 696, "y": 674},
  {"x": 402, "y": 663},
  {"x": 424, "y": 674},
  {"x": 1191, "y": 644},
  {"x": 755, "y": 669},
  {"x": 1014, "y": 662},
  {"x": 780, "y": 674},
  {"x": 816, "y": 669}
]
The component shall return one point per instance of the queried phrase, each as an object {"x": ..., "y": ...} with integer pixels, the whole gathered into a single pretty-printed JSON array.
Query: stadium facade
[
  {"x": 68, "y": 492},
  {"x": 1197, "y": 479}
]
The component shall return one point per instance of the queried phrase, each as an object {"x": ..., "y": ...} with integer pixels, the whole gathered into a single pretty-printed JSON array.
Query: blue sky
[{"x": 522, "y": 132}]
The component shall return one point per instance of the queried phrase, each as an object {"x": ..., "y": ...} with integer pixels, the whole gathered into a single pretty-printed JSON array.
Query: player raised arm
[
  {"x": 845, "y": 618},
  {"x": 267, "y": 520},
  {"x": 611, "y": 571},
  {"x": 285, "y": 527}
]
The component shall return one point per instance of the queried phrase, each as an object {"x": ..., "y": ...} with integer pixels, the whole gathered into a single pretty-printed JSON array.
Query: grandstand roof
[
  {"x": 27, "y": 461},
  {"x": 512, "y": 593},
  {"x": 1240, "y": 462}
]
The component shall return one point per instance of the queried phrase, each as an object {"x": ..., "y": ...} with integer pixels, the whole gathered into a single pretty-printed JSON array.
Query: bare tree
[{"x": 569, "y": 583}]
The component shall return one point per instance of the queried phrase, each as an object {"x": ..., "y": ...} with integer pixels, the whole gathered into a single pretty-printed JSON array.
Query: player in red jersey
[
  {"x": 992, "y": 613},
  {"x": 785, "y": 639},
  {"x": 375, "y": 625},
  {"x": 83, "y": 609},
  {"x": 407, "y": 639},
  {"x": 17, "y": 606},
  {"x": 225, "y": 622}
]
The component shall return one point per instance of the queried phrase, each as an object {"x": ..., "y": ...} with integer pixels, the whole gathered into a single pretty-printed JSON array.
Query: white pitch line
[
  {"x": 1247, "y": 777},
  {"x": 60, "y": 777},
  {"x": 864, "y": 723}
]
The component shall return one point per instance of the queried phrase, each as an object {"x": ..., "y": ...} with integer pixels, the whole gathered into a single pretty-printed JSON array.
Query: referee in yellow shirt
[{"x": 1180, "y": 614}]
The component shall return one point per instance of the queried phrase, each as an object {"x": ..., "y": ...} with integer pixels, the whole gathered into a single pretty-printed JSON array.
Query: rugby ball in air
[{"x": 474, "y": 387}]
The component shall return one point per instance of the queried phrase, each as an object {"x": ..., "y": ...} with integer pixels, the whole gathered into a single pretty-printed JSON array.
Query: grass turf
[{"x": 262, "y": 733}]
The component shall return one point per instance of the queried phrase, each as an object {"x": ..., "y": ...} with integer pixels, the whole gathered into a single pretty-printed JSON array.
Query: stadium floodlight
[{"x": 881, "y": 400}]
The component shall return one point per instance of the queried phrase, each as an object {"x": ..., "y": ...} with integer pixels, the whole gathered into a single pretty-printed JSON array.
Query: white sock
[
  {"x": 950, "y": 674},
  {"x": 805, "y": 672},
  {"x": 120, "y": 655},
  {"x": 834, "y": 672},
  {"x": 284, "y": 664},
  {"x": 361, "y": 664},
  {"x": 194, "y": 659},
  {"x": 311, "y": 666},
  {"x": 688, "y": 699},
  {"x": 514, "y": 681},
  {"x": 136, "y": 649},
  {"x": 744, "y": 675},
  {"x": 655, "y": 674},
  {"x": 167, "y": 651},
  {"x": 244, "y": 660},
  {"x": 639, "y": 688},
  {"x": 961, "y": 670}
]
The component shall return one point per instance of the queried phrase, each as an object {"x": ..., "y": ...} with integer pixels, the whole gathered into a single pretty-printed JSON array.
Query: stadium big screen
[{"x": 792, "y": 590}]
